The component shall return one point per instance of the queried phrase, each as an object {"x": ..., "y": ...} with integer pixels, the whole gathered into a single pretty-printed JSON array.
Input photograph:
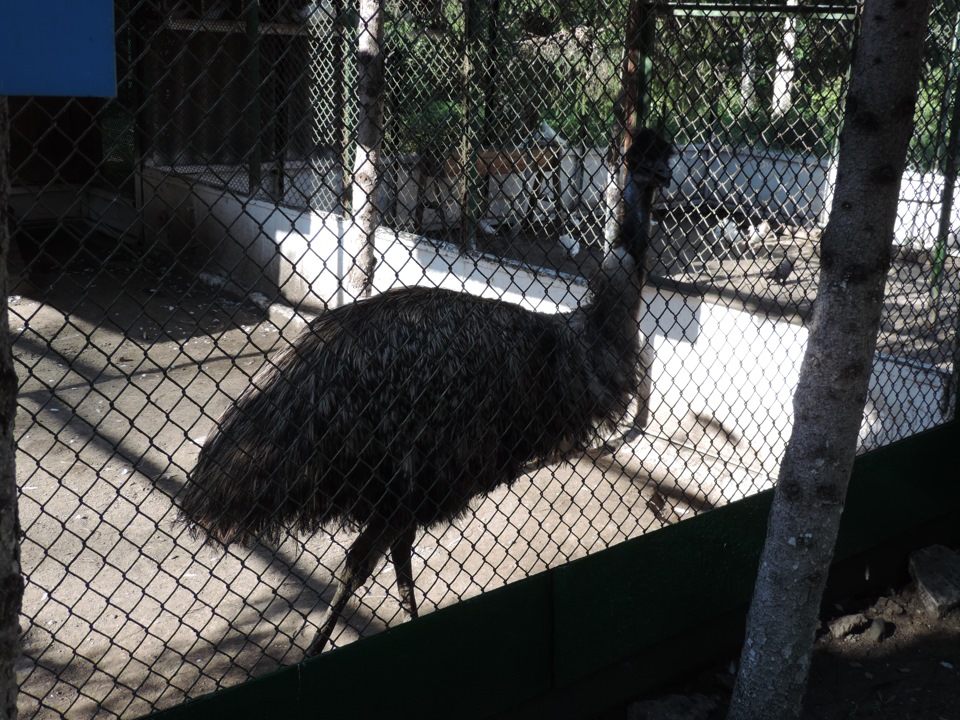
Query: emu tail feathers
[{"x": 253, "y": 478}]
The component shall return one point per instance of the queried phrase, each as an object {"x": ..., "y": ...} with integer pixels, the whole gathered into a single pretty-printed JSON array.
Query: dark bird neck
[
  {"x": 635, "y": 226},
  {"x": 616, "y": 289}
]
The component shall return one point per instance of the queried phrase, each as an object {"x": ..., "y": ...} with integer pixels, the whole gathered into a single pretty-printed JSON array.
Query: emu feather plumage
[{"x": 393, "y": 413}]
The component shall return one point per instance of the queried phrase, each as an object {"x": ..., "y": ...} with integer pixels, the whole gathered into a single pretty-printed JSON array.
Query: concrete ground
[{"x": 123, "y": 371}]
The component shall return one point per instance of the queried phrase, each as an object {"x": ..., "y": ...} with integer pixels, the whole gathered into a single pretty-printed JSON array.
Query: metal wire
[{"x": 168, "y": 244}]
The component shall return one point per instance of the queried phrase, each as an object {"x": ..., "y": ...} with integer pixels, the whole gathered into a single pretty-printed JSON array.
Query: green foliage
[
  {"x": 423, "y": 84},
  {"x": 936, "y": 96},
  {"x": 712, "y": 75},
  {"x": 724, "y": 91}
]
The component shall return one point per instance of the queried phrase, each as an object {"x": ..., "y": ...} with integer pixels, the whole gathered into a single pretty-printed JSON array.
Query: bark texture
[
  {"x": 367, "y": 164},
  {"x": 830, "y": 396},
  {"x": 624, "y": 123},
  {"x": 11, "y": 582}
]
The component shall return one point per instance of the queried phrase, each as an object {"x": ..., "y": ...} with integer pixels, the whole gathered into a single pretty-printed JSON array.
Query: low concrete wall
[
  {"x": 918, "y": 211},
  {"x": 286, "y": 255},
  {"x": 791, "y": 188}
]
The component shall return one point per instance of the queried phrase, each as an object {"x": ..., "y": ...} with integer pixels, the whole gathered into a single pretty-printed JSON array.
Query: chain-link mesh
[{"x": 167, "y": 246}]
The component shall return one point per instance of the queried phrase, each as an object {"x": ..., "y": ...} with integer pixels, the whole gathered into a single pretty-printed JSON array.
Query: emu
[{"x": 393, "y": 413}]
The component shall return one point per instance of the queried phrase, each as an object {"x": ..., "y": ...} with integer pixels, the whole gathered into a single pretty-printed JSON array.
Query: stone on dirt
[
  {"x": 936, "y": 570},
  {"x": 848, "y": 624},
  {"x": 889, "y": 606},
  {"x": 876, "y": 631}
]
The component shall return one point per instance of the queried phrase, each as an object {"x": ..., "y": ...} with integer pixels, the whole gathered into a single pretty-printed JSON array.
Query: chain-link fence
[{"x": 169, "y": 244}]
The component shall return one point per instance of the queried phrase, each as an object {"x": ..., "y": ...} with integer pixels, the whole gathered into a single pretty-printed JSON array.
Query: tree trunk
[
  {"x": 367, "y": 164},
  {"x": 786, "y": 67},
  {"x": 630, "y": 108},
  {"x": 625, "y": 112},
  {"x": 748, "y": 68},
  {"x": 11, "y": 583},
  {"x": 830, "y": 397}
]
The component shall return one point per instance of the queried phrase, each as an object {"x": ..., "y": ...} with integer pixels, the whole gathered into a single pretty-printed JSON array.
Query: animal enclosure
[{"x": 168, "y": 245}]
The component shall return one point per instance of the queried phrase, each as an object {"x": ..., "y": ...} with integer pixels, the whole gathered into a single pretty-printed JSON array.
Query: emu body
[{"x": 393, "y": 413}]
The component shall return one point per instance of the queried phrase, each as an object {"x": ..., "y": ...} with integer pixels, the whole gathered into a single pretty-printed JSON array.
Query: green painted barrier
[{"x": 570, "y": 641}]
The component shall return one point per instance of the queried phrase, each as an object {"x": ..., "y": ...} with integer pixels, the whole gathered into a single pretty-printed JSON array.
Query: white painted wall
[
  {"x": 918, "y": 214},
  {"x": 788, "y": 187},
  {"x": 791, "y": 188},
  {"x": 918, "y": 211},
  {"x": 285, "y": 254}
]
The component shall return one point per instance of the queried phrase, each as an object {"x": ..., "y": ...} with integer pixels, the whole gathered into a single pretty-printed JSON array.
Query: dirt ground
[
  {"x": 911, "y": 673},
  {"x": 124, "y": 367}
]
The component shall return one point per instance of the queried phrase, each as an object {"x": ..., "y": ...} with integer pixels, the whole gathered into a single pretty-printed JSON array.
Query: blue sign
[{"x": 57, "y": 47}]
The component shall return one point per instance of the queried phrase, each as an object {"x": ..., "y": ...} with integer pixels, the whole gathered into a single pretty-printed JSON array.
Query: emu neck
[
  {"x": 616, "y": 288},
  {"x": 635, "y": 228}
]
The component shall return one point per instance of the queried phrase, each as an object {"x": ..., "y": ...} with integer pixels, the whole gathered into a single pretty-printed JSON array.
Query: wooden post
[{"x": 631, "y": 107}]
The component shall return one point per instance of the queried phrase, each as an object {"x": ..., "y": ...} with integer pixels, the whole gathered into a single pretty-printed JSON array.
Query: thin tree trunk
[
  {"x": 786, "y": 67},
  {"x": 748, "y": 68},
  {"x": 11, "y": 583},
  {"x": 830, "y": 397},
  {"x": 624, "y": 121},
  {"x": 367, "y": 164},
  {"x": 628, "y": 111}
]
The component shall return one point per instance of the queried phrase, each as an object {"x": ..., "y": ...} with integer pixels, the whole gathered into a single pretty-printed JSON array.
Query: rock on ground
[{"x": 936, "y": 570}]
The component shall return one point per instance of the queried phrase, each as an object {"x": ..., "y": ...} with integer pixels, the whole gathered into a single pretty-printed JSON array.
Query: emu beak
[{"x": 660, "y": 175}]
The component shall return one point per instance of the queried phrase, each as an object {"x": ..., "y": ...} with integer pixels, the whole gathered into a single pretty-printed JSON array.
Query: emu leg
[
  {"x": 401, "y": 552},
  {"x": 362, "y": 557},
  {"x": 647, "y": 357}
]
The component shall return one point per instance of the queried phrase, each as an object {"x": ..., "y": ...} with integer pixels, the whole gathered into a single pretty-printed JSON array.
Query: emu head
[
  {"x": 648, "y": 161},
  {"x": 648, "y": 167}
]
